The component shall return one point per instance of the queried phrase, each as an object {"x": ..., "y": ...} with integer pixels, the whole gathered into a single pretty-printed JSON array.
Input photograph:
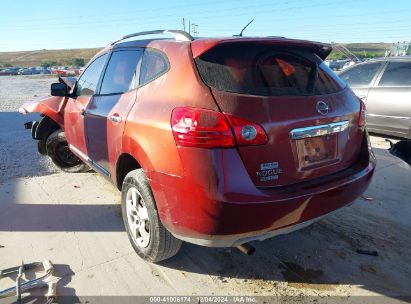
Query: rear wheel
[
  {"x": 149, "y": 238},
  {"x": 61, "y": 155}
]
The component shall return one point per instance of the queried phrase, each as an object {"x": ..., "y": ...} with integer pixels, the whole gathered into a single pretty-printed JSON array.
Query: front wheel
[
  {"x": 149, "y": 238},
  {"x": 58, "y": 150}
]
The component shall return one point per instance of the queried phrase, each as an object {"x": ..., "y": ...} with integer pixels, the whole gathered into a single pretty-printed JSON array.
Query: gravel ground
[{"x": 18, "y": 152}]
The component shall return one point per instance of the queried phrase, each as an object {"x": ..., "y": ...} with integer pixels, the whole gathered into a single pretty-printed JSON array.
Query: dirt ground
[{"x": 74, "y": 220}]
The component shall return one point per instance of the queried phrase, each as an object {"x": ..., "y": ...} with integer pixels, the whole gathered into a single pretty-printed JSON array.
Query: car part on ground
[
  {"x": 214, "y": 141},
  {"x": 44, "y": 280}
]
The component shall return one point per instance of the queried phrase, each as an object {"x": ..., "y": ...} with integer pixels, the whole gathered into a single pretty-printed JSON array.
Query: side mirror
[{"x": 59, "y": 89}]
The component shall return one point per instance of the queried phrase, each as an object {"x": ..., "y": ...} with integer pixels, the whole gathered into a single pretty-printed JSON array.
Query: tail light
[
  {"x": 201, "y": 128},
  {"x": 194, "y": 127},
  {"x": 247, "y": 132},
  {"x": 361, "y": 118}
]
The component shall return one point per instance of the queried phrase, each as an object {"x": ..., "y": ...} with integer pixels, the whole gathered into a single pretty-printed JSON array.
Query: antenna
[{"x": 241, "y": 33}]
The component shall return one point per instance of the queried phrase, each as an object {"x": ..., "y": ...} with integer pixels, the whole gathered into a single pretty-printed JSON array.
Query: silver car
[{"x": 385, "y": 87}]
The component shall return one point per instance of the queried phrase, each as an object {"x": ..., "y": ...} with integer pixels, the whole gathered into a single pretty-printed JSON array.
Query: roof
[{"x": 201, "y": 45}]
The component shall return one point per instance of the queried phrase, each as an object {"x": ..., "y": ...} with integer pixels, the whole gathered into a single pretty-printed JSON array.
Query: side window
[
  {"x": 154, "y": 64},
  {"x": 361, "y": 75},
  {"x": 121, "y": 72},
  {"x": 87, "y": 84},
  {"x": 396, "y": 74}
]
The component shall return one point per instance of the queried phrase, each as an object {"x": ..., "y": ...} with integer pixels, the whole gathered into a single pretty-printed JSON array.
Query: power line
[
  {"x": 132, "y": 12},
  {"x": 238, "y": 11}
]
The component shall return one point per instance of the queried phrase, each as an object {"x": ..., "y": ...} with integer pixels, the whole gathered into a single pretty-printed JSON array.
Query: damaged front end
[
  {"x": 51, "y": 109},
  {"x": 51, "y": 106}
]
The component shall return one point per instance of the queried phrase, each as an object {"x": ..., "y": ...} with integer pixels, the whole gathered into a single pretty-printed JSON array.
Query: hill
[
  {"x": 36, "y": 58},
  {"x": 362, "y": 50},
  {"x": 67, "y": 56}
]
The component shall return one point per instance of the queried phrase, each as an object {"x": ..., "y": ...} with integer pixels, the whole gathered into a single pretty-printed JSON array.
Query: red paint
[{"x": 215, "y": 191}]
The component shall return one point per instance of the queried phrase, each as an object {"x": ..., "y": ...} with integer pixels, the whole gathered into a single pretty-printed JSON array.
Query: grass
[{"x": 36, "y": 58}]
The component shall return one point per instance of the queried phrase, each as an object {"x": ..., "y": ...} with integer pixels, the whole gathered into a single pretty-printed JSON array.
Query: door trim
[
  {"x": 91, "y": 162},
  {"x": 387, "y": 116}
]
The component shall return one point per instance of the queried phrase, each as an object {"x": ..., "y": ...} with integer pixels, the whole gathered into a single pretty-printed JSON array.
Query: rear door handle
[{"x": 115, "y": 118}]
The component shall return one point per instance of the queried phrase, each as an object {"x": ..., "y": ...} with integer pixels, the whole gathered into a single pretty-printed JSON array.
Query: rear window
[{"x": 267, "y": 71}]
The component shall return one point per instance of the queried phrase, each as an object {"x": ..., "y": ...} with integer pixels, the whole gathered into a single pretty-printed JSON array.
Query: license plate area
[{"x": 317, "y": 151}]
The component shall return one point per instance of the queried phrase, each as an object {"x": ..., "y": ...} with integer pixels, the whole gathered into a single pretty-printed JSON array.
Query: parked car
[
  {"x": 213, "y": 141},
  {"x": 385, "y": 86},
  {"x": 9, "y": 72},
  {"x": 66, "y": 72},
  {"x": 337, "y": 64},
  {"x": 28, "y": 71},
  {"x": 42, "y": 71}
]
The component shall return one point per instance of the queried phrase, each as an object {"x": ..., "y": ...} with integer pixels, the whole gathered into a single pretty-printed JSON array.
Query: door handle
[{"x": 115, "y": 118}]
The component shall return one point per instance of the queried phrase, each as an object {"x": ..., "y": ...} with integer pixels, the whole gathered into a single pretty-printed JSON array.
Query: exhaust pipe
[{"x": 246, "y": 248}]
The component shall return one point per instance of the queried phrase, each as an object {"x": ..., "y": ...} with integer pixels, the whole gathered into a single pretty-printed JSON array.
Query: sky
[{"x": 53, "y": 24}]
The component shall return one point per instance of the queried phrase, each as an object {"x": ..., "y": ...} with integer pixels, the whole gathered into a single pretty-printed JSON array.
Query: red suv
[{"x": 213, "y": 141}]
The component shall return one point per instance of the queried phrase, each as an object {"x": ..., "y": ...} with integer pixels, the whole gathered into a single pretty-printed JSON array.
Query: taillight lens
[
  {"x": 247, "y": 133},
  {"x": 194, "y": 127},
  {"x": 361, "y": 118},
  {"x": 201, "y": 128}
]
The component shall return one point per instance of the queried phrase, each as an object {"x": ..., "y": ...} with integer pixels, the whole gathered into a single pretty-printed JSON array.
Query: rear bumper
[
  {"x": 217, "y": 205},
  {"x": 238, "y": 239}
]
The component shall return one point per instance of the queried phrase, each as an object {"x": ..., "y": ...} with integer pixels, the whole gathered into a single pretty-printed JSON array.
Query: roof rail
[{"x": 178, "y": 35}]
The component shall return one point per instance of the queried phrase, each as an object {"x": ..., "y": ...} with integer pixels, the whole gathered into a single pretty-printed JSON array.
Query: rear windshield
[{"x": 266, "y": 70}]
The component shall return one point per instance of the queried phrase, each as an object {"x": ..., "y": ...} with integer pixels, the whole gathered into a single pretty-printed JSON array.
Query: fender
[
  {"x": 50, "y": 106},
  {"x": 132, "y": 147}
]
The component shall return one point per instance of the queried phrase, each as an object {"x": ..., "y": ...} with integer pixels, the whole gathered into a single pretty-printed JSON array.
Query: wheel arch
[
  {"x": 125, "y": 164},
  {"x": 44, "y": 128},
  {"x": 132, "y": 157}
]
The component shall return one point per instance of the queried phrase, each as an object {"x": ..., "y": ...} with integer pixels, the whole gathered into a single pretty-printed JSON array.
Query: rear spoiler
[{"x": 200, "y": 46}]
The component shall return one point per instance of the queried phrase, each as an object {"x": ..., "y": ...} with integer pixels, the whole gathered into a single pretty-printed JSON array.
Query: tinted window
[
  {"x": 121, "y": 72},
  {"x": 87, "y": 84},
  {"x": 264, "y": 70},
  {"x": 397, "y": 74},
  {"x": 154, "y": 64},
  {"x": 361, "y": 75}
]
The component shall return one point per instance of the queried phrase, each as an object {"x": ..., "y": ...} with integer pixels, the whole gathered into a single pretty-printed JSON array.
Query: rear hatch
[{"x": 309, "y": 114}]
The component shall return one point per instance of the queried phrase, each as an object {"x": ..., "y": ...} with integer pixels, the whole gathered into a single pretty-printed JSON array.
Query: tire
[
  {"x": 140, "y": 215},
  {"x": 58, "y": 150}
]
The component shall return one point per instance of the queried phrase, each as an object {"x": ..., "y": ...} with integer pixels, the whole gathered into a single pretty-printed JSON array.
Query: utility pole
[
  {"x": 192, "y": 27},
  {"x": 195, "y": 29}
]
